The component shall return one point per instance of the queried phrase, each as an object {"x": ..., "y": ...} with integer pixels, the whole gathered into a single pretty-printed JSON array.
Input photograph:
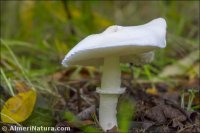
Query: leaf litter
[{"x": 157, "y": 109}]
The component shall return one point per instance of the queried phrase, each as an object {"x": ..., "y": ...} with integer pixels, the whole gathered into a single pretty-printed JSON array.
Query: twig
[
  {"x": 69, "y": 16},
  {"x": 78, "y": 99},
  {"x": 132, "y": 71},
  {"x": 186, "y": 127}
]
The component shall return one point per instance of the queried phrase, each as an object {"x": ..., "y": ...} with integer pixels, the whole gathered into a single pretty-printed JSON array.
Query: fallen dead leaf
[
  {"x": 86, "y": 114},
  {"x": 21, "y": 86},
  {"x": 19, "y": 107}
]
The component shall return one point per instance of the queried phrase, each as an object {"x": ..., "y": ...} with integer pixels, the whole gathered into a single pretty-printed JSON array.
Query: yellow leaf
[
  {"x": 19, "y": 107},
  {"x": 152, "y": 91}
]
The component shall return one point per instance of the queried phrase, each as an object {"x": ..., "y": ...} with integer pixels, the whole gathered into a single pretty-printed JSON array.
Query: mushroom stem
[
  {"x": 111, "y": 78},
  {"x": 109, "y": 93}
]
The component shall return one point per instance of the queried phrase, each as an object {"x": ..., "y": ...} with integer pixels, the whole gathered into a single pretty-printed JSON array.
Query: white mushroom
[{"x": 117, "y": 44}]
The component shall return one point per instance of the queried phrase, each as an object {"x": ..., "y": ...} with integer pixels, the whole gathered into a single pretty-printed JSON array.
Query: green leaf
[
  {"x": 126, "y": 112},
  {"x": 40, "y": 117}
]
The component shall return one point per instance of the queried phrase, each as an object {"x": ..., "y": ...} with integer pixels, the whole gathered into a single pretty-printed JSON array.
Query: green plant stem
[
  {"x": 8, "y": 83},
  {"x": 148, "y": 73},
  {"x": 191, "y": 98},
  {"x": 182, "y": 99}
]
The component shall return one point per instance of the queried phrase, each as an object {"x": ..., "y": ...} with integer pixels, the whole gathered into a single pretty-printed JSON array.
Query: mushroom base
[{"x": 107, "y": 111}]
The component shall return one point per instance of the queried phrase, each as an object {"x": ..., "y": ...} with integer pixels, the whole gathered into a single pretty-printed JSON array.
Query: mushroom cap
[{"x": 134, "y": 44}]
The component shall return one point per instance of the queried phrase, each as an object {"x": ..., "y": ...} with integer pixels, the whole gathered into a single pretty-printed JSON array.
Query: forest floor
[{"x": 161, "y": 108}]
